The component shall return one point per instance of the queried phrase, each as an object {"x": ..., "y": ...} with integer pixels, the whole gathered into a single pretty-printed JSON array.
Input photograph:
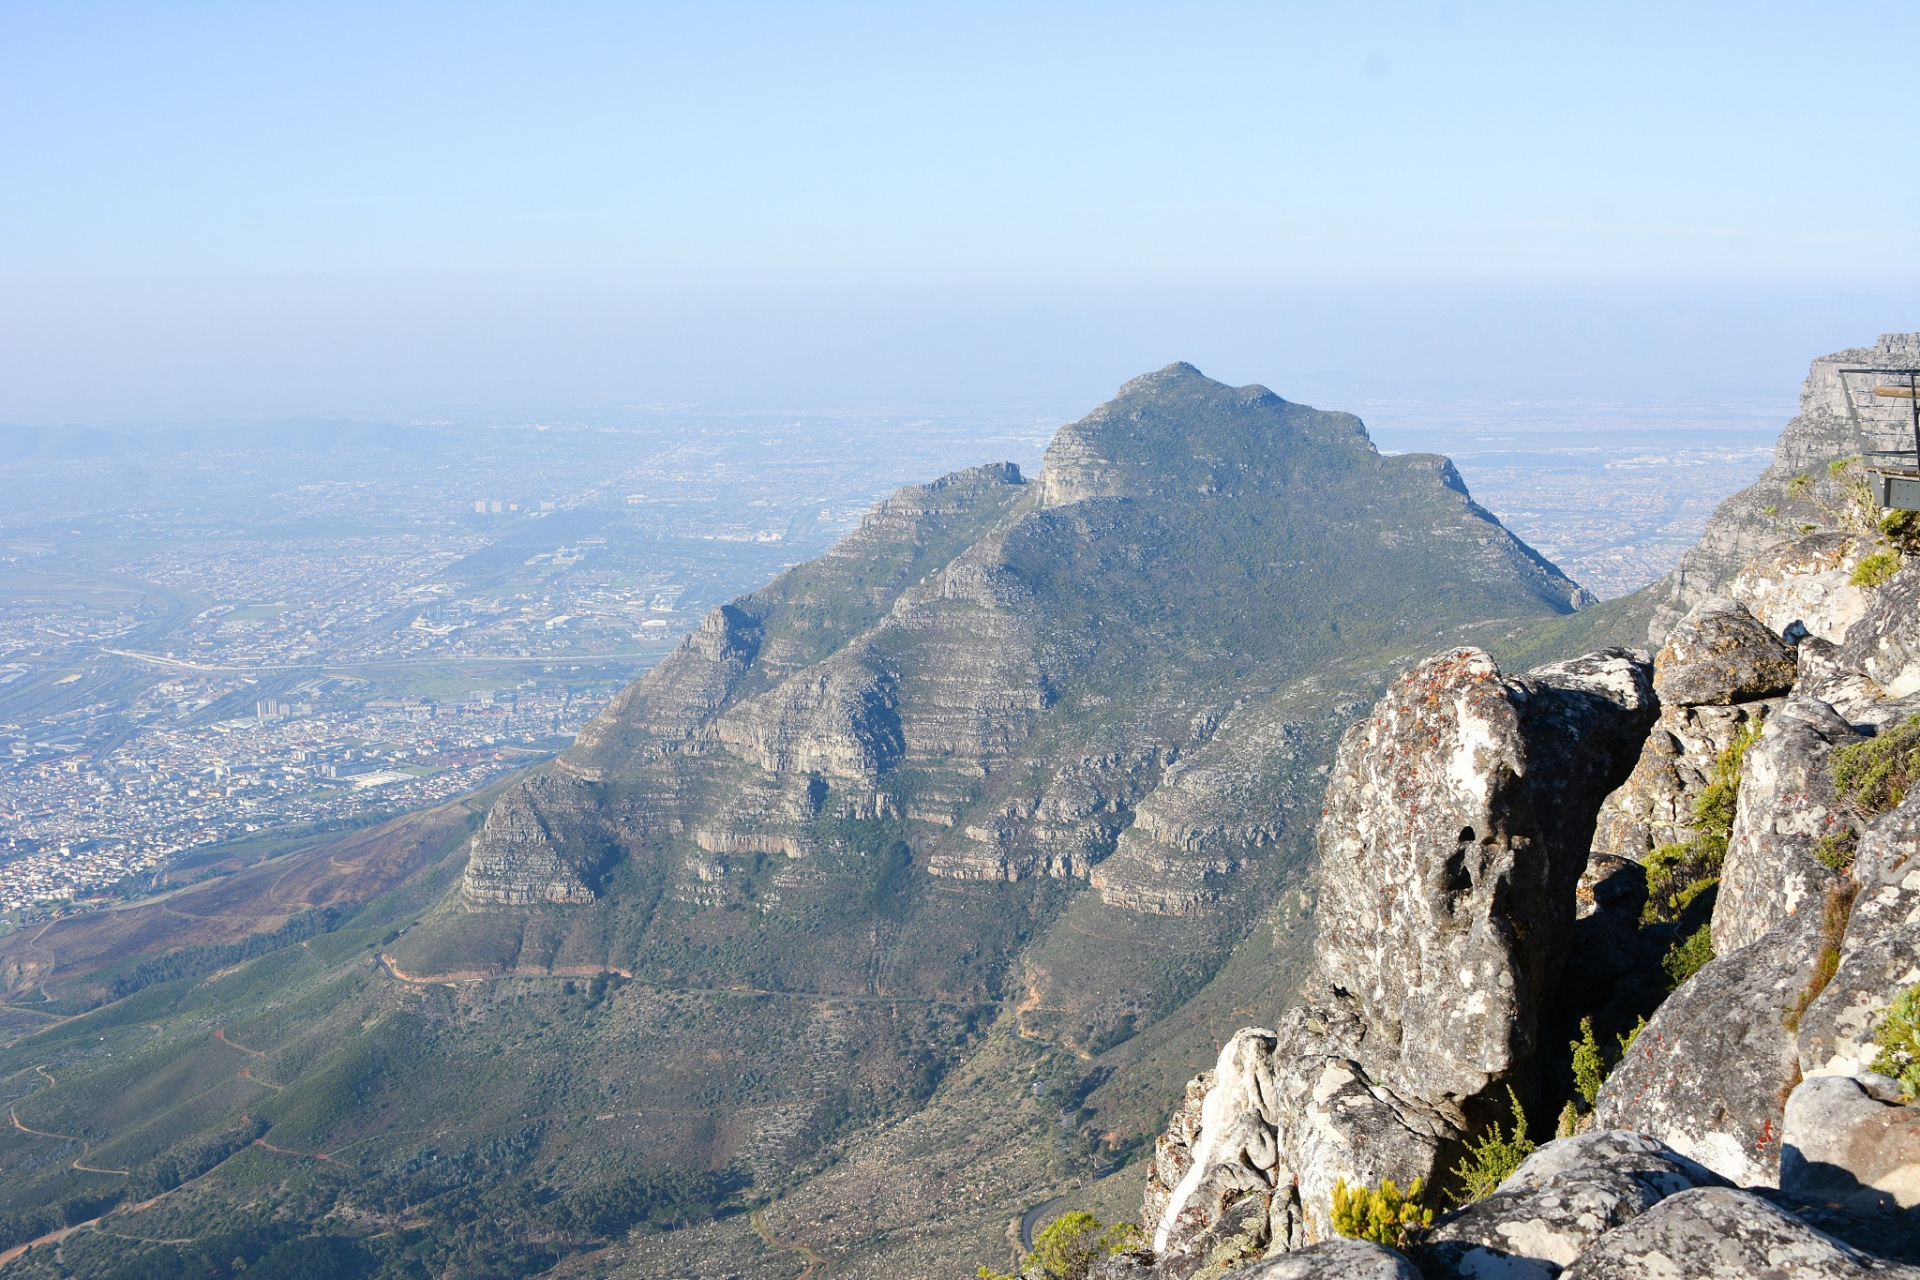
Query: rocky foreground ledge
[{"x": 1509, "y": 862}]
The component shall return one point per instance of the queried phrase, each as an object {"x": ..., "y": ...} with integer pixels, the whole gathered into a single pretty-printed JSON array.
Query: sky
[{"x": 409, "y": 210}]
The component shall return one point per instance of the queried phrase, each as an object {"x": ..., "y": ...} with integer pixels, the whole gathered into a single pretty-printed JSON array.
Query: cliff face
[
  {"x": 1837, "y": 419},
  {"x": 1021, "y": 679},
  {"x": 1505, "y": 862}
]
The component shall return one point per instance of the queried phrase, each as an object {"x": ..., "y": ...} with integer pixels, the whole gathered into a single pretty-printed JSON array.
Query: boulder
[
  {"x": 1885, "y": 643},
  {"x": 1720, "y": 654},
  {"x": 1880, "y": 953},
  {"x": 1282, "y": 1118},
  {"x": 1714, "y": 1233},
  {"x": 1654, "y": 806},
  {"x": 1560, "y": 1199},
  {"x": 1787, "y": 806},
  {"x": 1841, "y": 1145},
  {"x": 1801, "y": 587},
  {"x": 1336, "y": 1260},
  {"x": 1455, "y": 830},
  {"x": 1710, "y": 1072}
]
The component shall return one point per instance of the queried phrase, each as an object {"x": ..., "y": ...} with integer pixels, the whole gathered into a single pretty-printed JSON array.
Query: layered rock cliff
[{"x": 1127, "y": 670}]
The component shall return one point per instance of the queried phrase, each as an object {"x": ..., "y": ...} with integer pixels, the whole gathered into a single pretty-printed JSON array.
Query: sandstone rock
[
  {"x": 840, "y": 719},
  {"x": 1880, "y": 954},
  {"x": 1842, "y": 1146},
  {"x": 1282, "y": 1118},
  {"x": 1787, "y": 805},
  {"x": 1336, "y": 1260},
  {"x": 1654, "y": 806},
  {"x": 517, "y": 857},
  {"x": 1710, "y": 1072},
  {"x": 1805, "y": 583},
  {"x": 1230, "y": 1151},
  {"x": 1720, "y": 654},
  {"x": 1885, "y": 643},
  {"x": 1718, "y": 1234},
  {"x": 1455, "y": 829},
  {"x": 1560, "y": 1199}
]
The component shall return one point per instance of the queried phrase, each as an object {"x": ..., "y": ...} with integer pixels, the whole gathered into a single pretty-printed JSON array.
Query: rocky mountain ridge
[{"x": 1506, "y": 863}]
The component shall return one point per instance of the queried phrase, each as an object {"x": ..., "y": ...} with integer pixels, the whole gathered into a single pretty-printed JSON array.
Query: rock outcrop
[
  {"x": 1710, "y": 1073},
  {"x": 1552, "y": 1208},
  {"x": 1787, "y": 806},
  {"x": 1847, "y": 1146},
  {"x": 1481, "y": 888},
  {"x": 1457, "y": 822},
  {"x": 1719, "y": 1234}
]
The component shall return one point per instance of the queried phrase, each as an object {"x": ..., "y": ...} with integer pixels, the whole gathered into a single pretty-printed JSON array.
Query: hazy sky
[{"x": 472, "y": 210}]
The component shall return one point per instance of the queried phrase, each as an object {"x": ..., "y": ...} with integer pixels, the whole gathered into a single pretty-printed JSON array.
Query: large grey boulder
[
  {"x": 1455, "y": 829},
  {"x": 1720, "y": 654},
  {"x": 1841, "y": 1145},
  {"x": 1787, "y": 806},
  {"x": 1880, "y": 953},
  {"x": 1336, "y": 1260},
  {"x": 1718, "y": 1234},
  {"x": 1710, "y": 1072},
  {"x": 1885, "y": 643},
  {"x": 1560, "y": 1199}
]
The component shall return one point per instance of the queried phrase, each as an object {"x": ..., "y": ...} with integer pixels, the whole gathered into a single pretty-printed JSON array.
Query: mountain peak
[{"x": 1177, "y": 431}]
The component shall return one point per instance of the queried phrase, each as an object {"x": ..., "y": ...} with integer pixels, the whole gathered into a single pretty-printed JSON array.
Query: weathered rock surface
[
  {"x": 1336, "y": 1260},
  {"x": 1843, "y": 1146},
  {"x": 1802, "y": 586},
  {"x": 1885, "y": 643},
  {"x": 1710, "y": 1073},
  {"x": 1831, "y": 424},
  {"x": 1880, "y": 954},
  {"x": 1560, "y": 1199},
  {"x": 1720, "y": 654},
  {"x": 1654, "y": 806},
  {"x": 1787, "y": 806},
  {"x": 1718, "y": 1234},
  {"x": 1456, "y": 828}
]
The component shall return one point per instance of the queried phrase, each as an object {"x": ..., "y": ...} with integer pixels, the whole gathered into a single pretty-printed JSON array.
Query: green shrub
[
  {"x": 1492, "y": 1158},
  {"x": 1067, "y": 1248},
  {"x": 1679, "y": 873},
  {"x": 1834, "y": 914},
  {"x": 1875, "y": 776},
  {"x": 1898, "y": 1036},
  {"x": 1589, "y": 1064},
  {"x": 1688, "y": 956},
  {"x": 1627, "y": 1038},
  {"x": 1875, "y": 569},
  {"x": 1383, "y": 1216},
  {"x": 1835, "y": 852}
]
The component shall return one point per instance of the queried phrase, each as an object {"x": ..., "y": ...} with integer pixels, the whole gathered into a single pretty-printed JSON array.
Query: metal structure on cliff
[{"x": 1896, "y": 487}]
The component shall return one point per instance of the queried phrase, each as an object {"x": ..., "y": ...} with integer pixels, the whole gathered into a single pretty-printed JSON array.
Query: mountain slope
[{"x": 954, "y": 843}]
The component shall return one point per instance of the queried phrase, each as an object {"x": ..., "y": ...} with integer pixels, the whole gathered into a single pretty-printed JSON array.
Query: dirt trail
[
  {"x": 85, "y": 1146},
  {"x": 816, "y": 1265},
  {"x": 246, "y": 1072},
  {"x": 304, "y": 1155}
]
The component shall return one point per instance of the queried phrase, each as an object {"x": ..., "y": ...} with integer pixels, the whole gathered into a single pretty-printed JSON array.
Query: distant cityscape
[{"x": 227, "y": 641}]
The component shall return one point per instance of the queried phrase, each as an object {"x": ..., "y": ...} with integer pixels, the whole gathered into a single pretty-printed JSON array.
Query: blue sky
[{"x": 472, "y": 209}]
